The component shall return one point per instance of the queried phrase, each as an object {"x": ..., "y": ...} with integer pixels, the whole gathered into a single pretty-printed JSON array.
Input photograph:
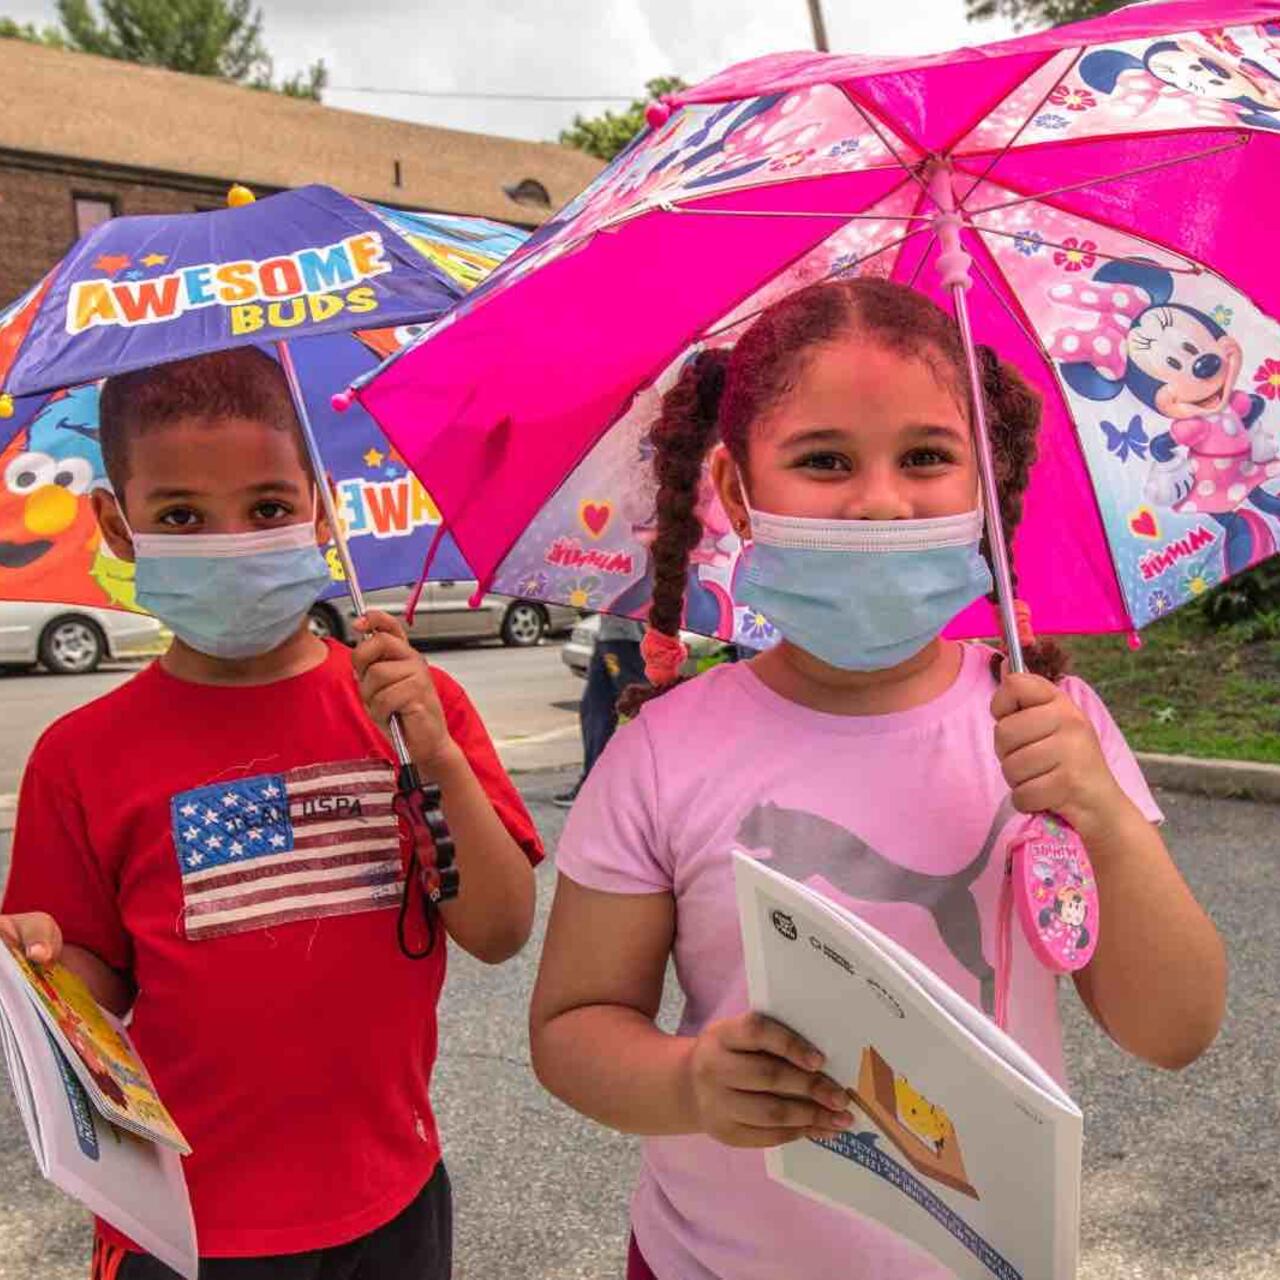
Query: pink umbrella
[{"x": 1091, "y": 200}]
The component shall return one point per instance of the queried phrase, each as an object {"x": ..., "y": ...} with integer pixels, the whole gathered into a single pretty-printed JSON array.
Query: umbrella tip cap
[
  {"x": 1134, "y": 640},
  {"x": 238, "y": 196},
  {"x": 341, "y": 401},
  {"x": 657, "y": 113},
  {"x": 6, "y": 405}
]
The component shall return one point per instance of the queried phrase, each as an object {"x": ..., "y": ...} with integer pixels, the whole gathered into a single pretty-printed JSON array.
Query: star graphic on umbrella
[
  {"x": 154, "y": 259},
  {"x": 373, "y": 458},
  {"x": 112, "y": 262}
]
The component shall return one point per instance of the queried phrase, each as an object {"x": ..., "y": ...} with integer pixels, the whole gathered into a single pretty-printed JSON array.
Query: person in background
[{"x": 615, "y": 664}]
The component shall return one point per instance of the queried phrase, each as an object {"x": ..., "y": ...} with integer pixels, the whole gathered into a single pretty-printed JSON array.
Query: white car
[
  {"x": 576, "y": 655},
  {"x": 445, "y": 613},
  {"x": 72, "y": 639}
]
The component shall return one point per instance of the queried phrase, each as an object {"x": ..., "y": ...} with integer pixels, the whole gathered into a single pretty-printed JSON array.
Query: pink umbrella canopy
[{"x": 1110, "y": 178}]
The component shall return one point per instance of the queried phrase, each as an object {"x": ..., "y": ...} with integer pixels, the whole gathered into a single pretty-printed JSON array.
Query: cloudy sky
[{"x": 559, "y": 48}]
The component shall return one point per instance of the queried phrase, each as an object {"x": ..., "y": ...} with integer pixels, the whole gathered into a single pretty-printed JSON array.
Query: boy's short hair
[{"x": 240, "y": 383}]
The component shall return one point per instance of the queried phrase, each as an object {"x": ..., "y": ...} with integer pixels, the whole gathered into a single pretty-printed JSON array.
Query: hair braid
[{"x": 683, "y": 434}]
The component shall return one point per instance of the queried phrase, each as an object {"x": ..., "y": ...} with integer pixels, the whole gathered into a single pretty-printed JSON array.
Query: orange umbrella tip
[
  {"x": 239, "y": 196},
  {"x": 6, "y": 405}
]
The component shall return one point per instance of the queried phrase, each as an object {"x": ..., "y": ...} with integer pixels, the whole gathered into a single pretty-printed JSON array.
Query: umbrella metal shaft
[
  {"x": 953, "y": 265},
  {"x": 1001, "y": 569},
  {"x": 335, "y": 527}
]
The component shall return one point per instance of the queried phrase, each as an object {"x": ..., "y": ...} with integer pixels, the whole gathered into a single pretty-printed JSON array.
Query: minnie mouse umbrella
[{"x": 1089, "y": 198}]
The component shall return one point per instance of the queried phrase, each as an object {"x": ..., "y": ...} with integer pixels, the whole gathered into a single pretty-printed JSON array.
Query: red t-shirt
[{"x": 234, "y": 849}]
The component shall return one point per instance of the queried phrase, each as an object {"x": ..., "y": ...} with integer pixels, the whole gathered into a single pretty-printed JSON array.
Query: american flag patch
[{"x": 317, "y": 841}]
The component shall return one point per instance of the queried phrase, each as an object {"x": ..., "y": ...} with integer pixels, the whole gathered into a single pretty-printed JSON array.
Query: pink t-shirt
[{"x": 901, "y": 817}]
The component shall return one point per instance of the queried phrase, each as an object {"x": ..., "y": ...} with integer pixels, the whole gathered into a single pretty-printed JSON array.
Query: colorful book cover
[{"x": 100, "y": 1052}]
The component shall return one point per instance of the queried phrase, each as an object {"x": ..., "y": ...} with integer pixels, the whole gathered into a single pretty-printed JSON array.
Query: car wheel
[
  {"x": 524, "y": 625},
  {"x": 72, "y": 646},
  {"x": 323, "y": 623}
]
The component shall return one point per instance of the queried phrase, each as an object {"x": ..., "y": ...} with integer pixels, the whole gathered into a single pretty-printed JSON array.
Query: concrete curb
[{"x": 1227, "y": 779}]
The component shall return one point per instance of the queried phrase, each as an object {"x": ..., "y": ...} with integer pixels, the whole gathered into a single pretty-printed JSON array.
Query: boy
[{"x": 212, "y": 845}]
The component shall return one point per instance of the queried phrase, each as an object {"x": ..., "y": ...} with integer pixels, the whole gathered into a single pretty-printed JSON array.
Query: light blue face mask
[
  {"x": 863, "y": 595},
  {"x": 230, "y": 595}
]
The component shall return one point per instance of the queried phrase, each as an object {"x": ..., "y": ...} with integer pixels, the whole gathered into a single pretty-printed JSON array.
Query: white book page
[
  {"x": 1004, "y": 1200},
  {"x": 22, "y": 1091},
  {"x": 136, "y": 1185}
]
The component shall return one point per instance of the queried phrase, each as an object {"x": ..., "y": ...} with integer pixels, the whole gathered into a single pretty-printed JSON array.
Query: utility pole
[{"x": 819, "y": 27}]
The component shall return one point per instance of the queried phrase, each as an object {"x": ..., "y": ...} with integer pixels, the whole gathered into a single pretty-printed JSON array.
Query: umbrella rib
[
  {"x": 1240, "y": 141},
  {"x": 830, "y": 275},
  {"x": 924, "y": 257},
  {"x": 1009, "y": 300},
  {"x": 1191, "y": 269},
  {"x": 1022, "y": 128},
  {"x": 1012, "y": 313},
  {"x": 862, "y": 110},
  {"x": 669, "y": 206}
]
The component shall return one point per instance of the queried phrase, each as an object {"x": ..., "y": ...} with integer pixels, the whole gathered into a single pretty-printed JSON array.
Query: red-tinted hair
[{"x": 239, "y": 383}]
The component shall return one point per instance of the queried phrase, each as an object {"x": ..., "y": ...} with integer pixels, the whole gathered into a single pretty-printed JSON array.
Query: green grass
[{"x": 1191, "y": 689}]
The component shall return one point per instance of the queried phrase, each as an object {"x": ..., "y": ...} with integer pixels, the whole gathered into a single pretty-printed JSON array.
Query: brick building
[{"x": 85, "y": 138}]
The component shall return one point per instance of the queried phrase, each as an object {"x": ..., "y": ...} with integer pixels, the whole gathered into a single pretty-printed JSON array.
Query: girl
[{"x": 858, "y": 755}]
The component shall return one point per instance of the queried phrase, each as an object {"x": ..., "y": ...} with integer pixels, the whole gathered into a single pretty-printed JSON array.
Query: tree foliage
[
  {"x": 1039, "y": 13},
  {"x": 605, "y": 135},
  {"x": 10, "y": 30},
  {"x": 220, "y": 38}
]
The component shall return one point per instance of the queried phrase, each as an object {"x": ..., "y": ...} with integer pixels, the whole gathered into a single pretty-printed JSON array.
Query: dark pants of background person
[
  {"x": 614, "y": 665},
  {"x": 415, "y": 1245}
]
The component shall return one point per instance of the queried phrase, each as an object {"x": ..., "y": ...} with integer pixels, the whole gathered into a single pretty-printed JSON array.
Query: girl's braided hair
[{"x": 723, "y": 393}]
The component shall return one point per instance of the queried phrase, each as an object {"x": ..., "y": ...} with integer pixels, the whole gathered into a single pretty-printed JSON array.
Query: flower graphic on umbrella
[
  {"x": 1028, "y": 243},
  {"x": 533, "y": 584},
  {"x": 791, "y": 159},
  {"x": 756, "y": 628},
  {"x": 1222, "y": 315},
  {"x": 1073, "y": 99},
  {"x": 1221, "y": 41},
  {"x": 1159, "y": 603},
  {"x": 1075, "y": 255},
  {"x": 1050, "y": 120},
  {"x": 1199, "y": 580},
  {"x": 585, "y": 593},
  {"x": 845, "y": 147},
  {"x": 1267, "y": 378}
]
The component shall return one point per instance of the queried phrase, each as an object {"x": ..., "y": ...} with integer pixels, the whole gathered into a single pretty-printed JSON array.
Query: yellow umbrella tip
[
  {"x": 239, "y": 196},
  {"x": 6, "y": 405}
]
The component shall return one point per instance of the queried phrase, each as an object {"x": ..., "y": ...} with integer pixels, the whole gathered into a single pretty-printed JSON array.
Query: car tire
[
  {"x": 524, "y": 625},
  {"x": 323, "y": 623},
  {"x": 72, "y": 645}
]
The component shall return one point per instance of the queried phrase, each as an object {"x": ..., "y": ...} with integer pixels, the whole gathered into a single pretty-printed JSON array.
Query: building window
[
  {"x": 92, "y": 211},
  {"x": 529, "y": 191}
]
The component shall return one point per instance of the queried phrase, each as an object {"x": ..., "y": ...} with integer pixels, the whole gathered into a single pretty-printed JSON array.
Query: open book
[
  {"x": 962, "y": 1143},
  {"x": 96, "y": 1124}
]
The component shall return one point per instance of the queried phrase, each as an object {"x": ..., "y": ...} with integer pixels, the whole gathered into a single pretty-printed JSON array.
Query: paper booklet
[
  {"x": 961, "y": 1141},
  {"x": 96, "y": 1124}
]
